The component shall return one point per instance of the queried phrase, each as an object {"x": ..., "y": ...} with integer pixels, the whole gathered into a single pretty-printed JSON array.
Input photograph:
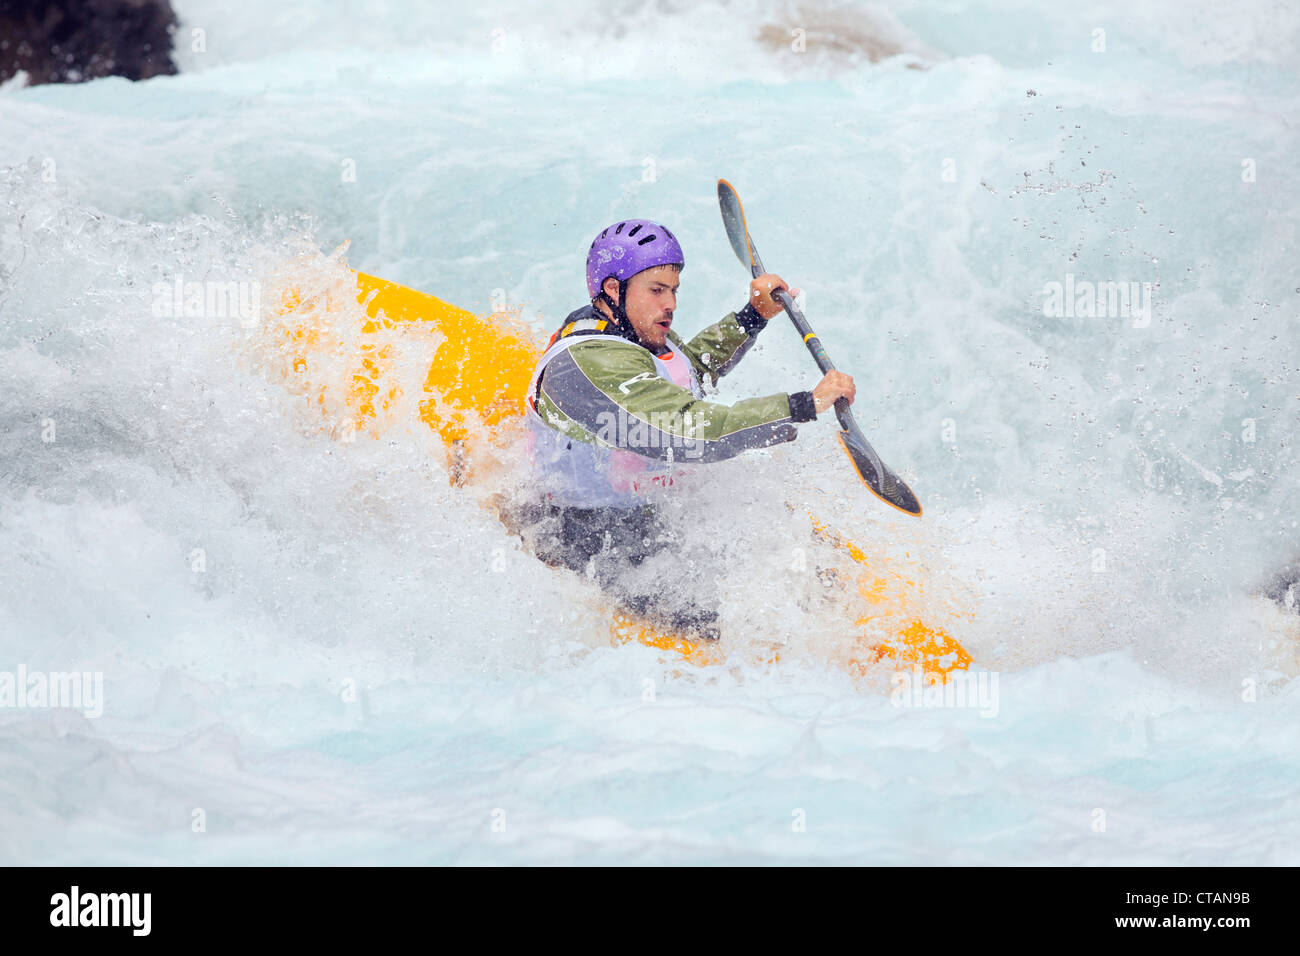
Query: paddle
[{"x": 882, "y": 482}]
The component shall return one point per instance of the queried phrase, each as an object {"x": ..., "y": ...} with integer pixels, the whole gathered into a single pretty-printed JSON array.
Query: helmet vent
[
  {"x": 620, "y": 228},
  {"x": 635, "y": 229},
  {"x": 650, "y": 238}
]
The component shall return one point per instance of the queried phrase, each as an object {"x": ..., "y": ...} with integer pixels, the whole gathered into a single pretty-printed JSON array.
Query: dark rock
[
  {"x": 75, "y": 40},
  {"x": 1284, "y": 587}
]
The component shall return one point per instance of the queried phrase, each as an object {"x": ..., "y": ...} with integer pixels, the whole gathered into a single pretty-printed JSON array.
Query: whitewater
[{"x": 318, "y": 650}]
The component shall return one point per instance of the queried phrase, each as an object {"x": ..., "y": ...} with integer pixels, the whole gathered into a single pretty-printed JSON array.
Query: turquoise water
[{"x": 332, "y": 656}]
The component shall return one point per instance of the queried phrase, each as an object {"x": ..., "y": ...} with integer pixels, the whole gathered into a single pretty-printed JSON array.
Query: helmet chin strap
[{"x": 619, "y": 313}]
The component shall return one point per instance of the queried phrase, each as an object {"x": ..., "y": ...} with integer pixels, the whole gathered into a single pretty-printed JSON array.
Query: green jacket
[{"x": 609, "y": 414}]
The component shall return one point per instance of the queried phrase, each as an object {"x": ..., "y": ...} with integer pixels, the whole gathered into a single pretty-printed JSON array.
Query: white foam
[{"x": 368, "y": 667}]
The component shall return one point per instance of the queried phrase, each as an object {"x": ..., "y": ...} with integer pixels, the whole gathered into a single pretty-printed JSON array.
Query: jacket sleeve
[
  {"x": 717, "y": 349},
  {"x": 611, "y": 391}
]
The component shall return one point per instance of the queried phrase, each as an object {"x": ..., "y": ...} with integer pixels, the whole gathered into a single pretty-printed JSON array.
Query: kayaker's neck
[{"x": 603, "y": 308}]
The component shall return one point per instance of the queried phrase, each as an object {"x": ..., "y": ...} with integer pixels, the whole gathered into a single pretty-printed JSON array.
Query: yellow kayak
[{"x": 406, "y": 356}]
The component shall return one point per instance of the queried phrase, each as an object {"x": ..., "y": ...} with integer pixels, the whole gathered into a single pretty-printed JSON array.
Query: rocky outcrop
[{"x": 70, "y": 41}]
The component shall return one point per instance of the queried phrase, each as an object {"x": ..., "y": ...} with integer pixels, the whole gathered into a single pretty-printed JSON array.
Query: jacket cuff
[
  {"x": 802, "y": 407},
  {"x": 749, "y": 319}
]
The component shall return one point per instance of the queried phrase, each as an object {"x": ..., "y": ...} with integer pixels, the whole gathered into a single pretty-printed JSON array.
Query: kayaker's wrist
[
  {"x": 802, "y": 407},
  {"x": 750, "y": 320}
]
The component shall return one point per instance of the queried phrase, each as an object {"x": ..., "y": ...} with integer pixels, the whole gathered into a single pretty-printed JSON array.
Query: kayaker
[{"x": 616, "y": 406}]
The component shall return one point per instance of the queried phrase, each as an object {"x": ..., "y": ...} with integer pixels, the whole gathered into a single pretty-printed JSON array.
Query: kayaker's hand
[
  {"x": 760, "y": 294},
  {"x": 834, "y": 385}
]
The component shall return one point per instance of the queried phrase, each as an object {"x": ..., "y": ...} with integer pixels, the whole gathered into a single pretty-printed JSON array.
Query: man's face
[{"x": 651, "y": 299}]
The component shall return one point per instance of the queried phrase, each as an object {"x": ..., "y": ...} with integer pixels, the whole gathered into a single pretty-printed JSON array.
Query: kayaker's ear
[{"x": 611, "y": 290}]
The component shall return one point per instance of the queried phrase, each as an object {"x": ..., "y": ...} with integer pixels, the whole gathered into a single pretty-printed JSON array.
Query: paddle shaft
[{"x": 810, "y": 339}]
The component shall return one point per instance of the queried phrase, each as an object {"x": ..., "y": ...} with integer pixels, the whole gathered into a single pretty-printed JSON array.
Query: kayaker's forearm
[{"x": 718, "y": 349}]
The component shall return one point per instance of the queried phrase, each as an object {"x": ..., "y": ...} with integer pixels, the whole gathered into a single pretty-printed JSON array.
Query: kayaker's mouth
[{"x": 665, "y": 324}]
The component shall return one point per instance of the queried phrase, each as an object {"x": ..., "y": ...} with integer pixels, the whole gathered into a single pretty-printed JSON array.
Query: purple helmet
[{"x": 629, "y": 247}]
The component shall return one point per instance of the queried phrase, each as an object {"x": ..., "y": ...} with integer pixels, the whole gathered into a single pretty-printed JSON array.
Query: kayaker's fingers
[
  {"x": 833, "y": 386},
  {"x": 760, "y": 293}
]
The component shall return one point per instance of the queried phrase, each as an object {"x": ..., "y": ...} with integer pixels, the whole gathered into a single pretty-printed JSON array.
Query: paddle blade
[
  {"x": 884, "y": 484},
  {"x": 733, "y": 219}
]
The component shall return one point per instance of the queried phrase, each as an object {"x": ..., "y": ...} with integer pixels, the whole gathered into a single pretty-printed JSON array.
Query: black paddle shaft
[{"x": 810, "y": 339}]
